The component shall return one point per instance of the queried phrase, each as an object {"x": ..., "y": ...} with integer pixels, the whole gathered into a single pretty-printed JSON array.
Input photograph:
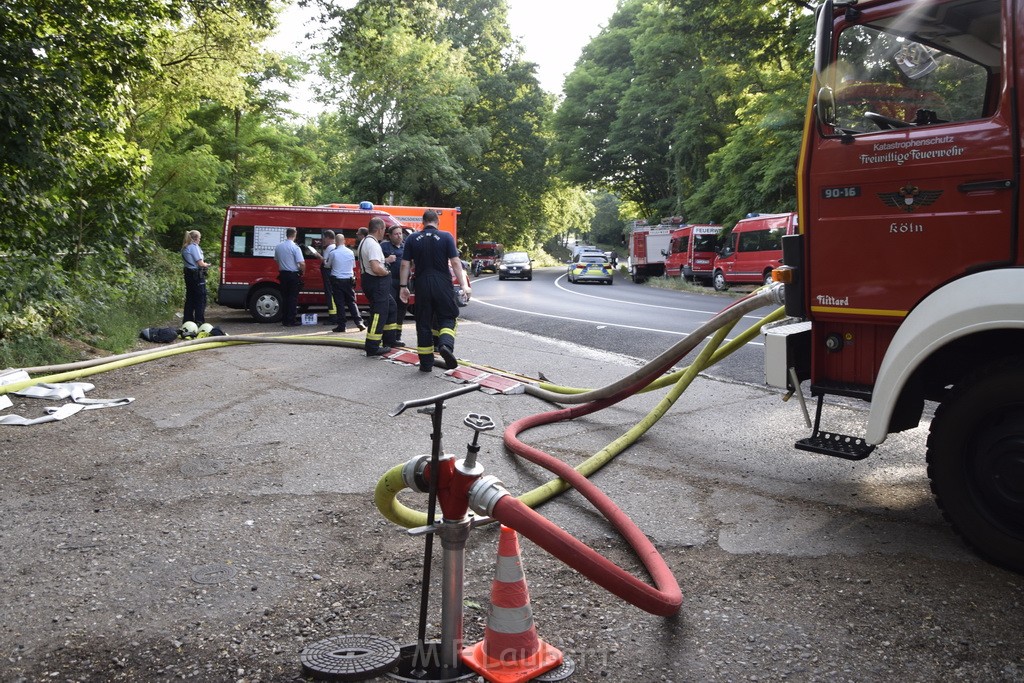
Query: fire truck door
[{"x": 916, "y": 181}]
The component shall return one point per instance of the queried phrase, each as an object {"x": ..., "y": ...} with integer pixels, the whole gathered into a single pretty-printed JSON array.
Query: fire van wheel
[
  {"x": 767, "y": 278},
  {"x": 265, "y": 305},
  {"x": 976, "y": 461},
  {"x": 718, "y": 280}
]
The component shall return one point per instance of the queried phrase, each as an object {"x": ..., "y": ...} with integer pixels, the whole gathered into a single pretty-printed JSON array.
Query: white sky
[{"x": 553, "y": 33}]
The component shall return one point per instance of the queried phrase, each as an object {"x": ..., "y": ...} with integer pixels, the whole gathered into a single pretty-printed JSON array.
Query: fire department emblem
[{"x": 909, "y": 197}]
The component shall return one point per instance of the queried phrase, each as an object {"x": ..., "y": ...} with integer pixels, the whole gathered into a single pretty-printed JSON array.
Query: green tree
[
  {"x": 607, "y": 227},
  {"x": 594, "y": 91},
  {"x": 435, "y": 106},
  {"x": 660, "y": 91}
]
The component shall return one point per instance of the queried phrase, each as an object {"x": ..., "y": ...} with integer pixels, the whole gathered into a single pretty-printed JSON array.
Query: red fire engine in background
[
  {"x": 648, "y": 247},
  {"x": 249, "y": 274},
  {"x": 906, "y": 285},
  {"x": 486, "y": 256}
]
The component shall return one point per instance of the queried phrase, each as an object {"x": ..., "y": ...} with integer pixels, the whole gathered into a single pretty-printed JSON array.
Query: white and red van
[
  {"x": 691, "y": 252},
  {"x": 249, "y": 274},
  {"x": 752, "y": 250}
]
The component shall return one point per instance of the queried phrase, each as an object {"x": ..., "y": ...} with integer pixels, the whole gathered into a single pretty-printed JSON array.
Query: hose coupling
[
  {"x": 777, "y": 291},
  {"x": 413, "y": 473},
  {"x": 485, "y": 493}
]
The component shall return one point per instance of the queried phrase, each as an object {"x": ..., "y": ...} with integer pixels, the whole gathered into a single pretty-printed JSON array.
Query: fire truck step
[{"x": 836, "y": 445}]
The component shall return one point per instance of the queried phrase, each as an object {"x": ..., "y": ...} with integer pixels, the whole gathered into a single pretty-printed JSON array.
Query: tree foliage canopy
[
  {"x": 129, "y": 122},
  {"x": 668, "y": 99}
]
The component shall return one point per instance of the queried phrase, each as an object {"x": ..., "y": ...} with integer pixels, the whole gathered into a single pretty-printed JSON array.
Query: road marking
[
  {"x": 631, "y": 303},
  {"x": 596, "y": 322}
]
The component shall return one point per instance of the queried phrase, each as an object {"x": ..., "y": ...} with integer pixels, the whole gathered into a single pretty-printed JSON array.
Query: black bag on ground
[{"x": 160, "y": 335}]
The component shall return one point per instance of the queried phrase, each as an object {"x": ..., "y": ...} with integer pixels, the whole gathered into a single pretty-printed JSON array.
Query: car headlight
[
  {"x": 502, "y": 267},
  {"x": 527, "y": 267}
]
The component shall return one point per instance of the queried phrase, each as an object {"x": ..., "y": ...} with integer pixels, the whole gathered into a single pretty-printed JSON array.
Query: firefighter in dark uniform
[
  {"x": 376, "y": 282},
  {"x": 432, "y": 252}
]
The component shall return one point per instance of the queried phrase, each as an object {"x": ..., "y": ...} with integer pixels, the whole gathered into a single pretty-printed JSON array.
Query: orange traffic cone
[{"x": 511, "y": 651}]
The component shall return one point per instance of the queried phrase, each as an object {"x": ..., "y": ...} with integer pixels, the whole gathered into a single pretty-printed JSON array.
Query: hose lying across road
[{"x": 664, "y": 598}]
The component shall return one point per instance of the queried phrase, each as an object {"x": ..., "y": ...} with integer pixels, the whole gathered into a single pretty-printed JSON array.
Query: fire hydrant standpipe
[{"x": 454, "y": 533}]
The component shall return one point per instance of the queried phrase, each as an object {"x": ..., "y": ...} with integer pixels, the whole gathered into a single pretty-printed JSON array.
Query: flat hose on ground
[
  {"x": 70, "y": 371},
  {"x": 664, "y": 598}
]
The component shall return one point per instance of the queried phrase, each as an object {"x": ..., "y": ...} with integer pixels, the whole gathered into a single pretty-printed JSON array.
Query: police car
[{"x": 590, "y": 267}]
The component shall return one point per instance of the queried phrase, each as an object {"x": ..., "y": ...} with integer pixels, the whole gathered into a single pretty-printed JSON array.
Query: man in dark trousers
[
  {"x": 291, "y": 267},
  {"x": 393, "y": 248},
  {"x": 376, "y": 282},
  {"x": 432, "y": 252}
]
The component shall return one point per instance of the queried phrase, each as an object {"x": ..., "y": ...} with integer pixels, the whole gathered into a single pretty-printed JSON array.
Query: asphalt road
[
  {"x": 626, "y": 318},
  {"x": 224, "y": 520}
]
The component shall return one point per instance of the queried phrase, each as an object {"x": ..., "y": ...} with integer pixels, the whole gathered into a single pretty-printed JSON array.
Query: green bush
[{"x": 97, "y": 305}]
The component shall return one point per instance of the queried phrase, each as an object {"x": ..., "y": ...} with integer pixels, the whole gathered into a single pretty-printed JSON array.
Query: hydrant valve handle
[{"x": 479, "y": 423}]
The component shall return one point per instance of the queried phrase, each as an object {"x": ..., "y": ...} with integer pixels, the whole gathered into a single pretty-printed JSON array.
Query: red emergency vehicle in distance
[
  {"x": 486, "y": 256},
  {"x": 691, "y": 252},
  {"x": 752, "y": 250},
  {"x": 249, "y": 273}
]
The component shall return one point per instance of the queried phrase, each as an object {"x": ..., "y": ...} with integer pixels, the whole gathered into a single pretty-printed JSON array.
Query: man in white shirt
[
  {"x": 291, "y": 267},
  {"x": 376, "y": 282},
  {"x": 341, "y": 262}
]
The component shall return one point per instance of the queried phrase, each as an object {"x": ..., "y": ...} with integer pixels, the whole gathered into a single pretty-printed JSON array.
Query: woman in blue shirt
[{"x": 195, "y": 278}]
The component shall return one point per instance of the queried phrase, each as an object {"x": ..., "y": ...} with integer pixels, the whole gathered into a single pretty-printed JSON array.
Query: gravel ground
[{"x": 142, "y": 544}]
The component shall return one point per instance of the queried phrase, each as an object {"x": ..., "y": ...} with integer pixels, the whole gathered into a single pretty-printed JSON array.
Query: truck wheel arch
[{"x": 951, "y": 313}]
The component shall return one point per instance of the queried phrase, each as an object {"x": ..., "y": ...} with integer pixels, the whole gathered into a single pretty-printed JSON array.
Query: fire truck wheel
[
  {"x": 719, "y": 281},
  {"x": 265, "y": 305},
  {"x": 976, "y": 461}
]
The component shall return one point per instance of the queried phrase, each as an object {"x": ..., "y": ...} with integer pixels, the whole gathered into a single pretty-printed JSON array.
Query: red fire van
[
  {"x": 752, "y": 250},
  {"x": 691, "y": 252},
  {"x": 249, "y": 275}
]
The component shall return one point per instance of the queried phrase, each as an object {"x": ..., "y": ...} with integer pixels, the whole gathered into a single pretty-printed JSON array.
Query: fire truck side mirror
[{"x": 825, "y": 107}]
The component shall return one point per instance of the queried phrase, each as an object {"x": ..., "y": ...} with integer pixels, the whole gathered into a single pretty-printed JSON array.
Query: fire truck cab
[
  {"x": 906, "y": 285},
  {"x": 486, "y": 256}
]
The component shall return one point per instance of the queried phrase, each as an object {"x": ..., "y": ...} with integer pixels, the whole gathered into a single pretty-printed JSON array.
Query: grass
[
  {"x": 28, "y": 352},
  {"x": 680, "y": 284}
]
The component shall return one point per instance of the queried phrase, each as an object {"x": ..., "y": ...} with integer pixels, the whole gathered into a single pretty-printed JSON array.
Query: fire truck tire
[
  {"x": 266, "y": 305},
  {"x": 976, "y": 461},
  {"x": 718, "y": 280}
]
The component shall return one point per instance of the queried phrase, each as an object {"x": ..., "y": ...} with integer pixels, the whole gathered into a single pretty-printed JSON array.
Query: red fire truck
[
  {"x": 906, "y": 286},
  {"x": 249, "y": 274},
  {"x": 648, "y": 246},
  {"x": 691, "y": 252},
  {"x": 486, "y": 256}
]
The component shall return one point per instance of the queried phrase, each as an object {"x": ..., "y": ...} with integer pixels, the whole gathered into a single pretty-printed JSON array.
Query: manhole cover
[
  {"x": 559, "y": 673},
  {"x": 201, "y": 468},
  {"x": 213, "y": 573},
  {"x": 349, "y": 658}
]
